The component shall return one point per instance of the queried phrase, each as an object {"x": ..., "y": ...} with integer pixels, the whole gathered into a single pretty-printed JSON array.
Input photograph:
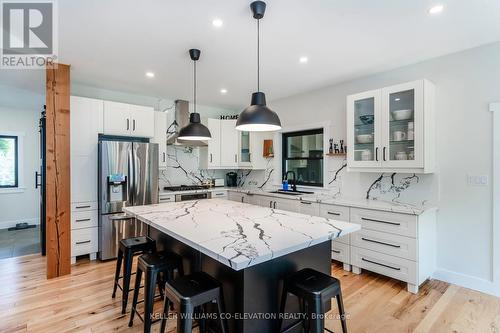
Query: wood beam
[{"x": 57, "y": 150}]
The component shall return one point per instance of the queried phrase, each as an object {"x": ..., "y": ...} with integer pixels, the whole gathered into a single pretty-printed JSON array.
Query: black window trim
[
  {"x": 16, "y": 171},
  {"x": 285, "y": 157}
]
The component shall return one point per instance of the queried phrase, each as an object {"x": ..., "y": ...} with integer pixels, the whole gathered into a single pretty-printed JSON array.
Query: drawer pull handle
[
  {"x": 333, "y": 213},
  {"x": 80, "y": 207},
  {"x": 250, "y": 194},
  {"x": 305, "y": 202},
  {"x": 335, "y": 251},
  {"x": 165, "y": 199},
  {"x": 82, "y": 220},
  {"x": 380, "y": 221},
  {"x": 374, "y": 241},
  {"x": 219, "y": 194},
  {"x": 84, "y": 242},
  {"x": 377, "y": 263}
]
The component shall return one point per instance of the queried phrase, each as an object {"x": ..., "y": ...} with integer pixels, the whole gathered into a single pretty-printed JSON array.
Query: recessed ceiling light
[
  {"x": 303, "y": 60},
  {"x": 436, "y": 9},
  {"x": 217, "y": 23},
  {"x": 397, "y": 99},
  {"x": 150, "y": 74},
  {"x": 223, "y": 91}
]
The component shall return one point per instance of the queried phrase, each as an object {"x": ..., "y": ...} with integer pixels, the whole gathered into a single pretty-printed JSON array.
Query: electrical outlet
[{"x": 477, "y": 180}]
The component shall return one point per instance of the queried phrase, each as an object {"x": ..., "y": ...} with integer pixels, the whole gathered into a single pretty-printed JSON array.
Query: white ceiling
[{"x": 111, "y": 44}]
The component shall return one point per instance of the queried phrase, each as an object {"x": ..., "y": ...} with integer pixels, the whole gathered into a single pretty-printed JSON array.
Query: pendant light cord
[
  {"x": 258, "y": 55},
  {"x": 194, "y": 61}
]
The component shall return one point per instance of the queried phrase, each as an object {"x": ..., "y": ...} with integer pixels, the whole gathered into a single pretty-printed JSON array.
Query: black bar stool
[
  {"x": 159, "y": 268},
  {"x": 189, "y": 292},
  {"x": 313, "y": 289},
  {"x": 128, "y": 248}
]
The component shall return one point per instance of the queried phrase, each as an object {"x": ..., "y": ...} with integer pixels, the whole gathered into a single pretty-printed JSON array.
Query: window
[
  {"x": 8, "y": 161},
  {"x": 303, "y": 154}
]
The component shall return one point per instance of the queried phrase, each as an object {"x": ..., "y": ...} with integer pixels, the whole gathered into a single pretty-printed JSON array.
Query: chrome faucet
[{"x": 294, "y": 184}]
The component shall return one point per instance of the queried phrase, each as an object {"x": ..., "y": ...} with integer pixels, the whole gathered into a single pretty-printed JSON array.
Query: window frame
[
  {"x": 284, "y": 153},
  {"x": 16, "y": 168}
]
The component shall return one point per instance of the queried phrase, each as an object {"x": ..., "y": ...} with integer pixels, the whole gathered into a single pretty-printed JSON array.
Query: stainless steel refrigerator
[{"x": 128, "y": 176}]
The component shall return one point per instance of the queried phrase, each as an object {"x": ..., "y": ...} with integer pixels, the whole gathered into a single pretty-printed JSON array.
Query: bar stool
[
  {"x": 158, "y": 268},
  {"x": 128, "y": 248},
  {"x": 313, "y": 289},
  {"x": 189, "y": 292}
]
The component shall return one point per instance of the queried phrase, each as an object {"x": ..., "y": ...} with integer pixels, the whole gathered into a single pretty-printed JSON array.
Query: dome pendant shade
[
  {"x": 195, "y": 130},
  {"x": 258, "y": 117}
]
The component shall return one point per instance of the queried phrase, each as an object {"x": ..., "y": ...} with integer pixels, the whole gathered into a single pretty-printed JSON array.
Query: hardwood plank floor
[{"x": 81, "y": 302}]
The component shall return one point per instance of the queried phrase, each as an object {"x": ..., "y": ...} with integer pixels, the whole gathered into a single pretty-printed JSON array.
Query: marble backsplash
[{"x": 183, "y": 169}]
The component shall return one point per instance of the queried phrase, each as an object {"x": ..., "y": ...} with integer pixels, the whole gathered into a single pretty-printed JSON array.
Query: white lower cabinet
[
  {"x": 308, "y": 208},
  {"x": 84, "y": 241},
  {"x": 401, "y": 246}
]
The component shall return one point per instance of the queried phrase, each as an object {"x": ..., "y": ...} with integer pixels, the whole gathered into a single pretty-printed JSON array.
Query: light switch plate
[{"x": 477, "y": 180}]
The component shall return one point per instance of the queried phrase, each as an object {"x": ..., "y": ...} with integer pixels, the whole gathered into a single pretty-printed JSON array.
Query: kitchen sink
[{"x": 289, "y": 192}]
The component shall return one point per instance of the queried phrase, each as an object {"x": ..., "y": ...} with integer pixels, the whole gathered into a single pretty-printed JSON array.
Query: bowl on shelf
[
  {"x": 402, "y": 114},
  {"x": 367, "y": 119},
  {"x": 364, "y": 138}
]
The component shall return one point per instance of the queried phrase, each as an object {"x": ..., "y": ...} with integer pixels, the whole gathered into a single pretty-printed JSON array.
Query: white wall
[
  {"x": 466, "y": 82},
  {"x": 23, "y": 205}
]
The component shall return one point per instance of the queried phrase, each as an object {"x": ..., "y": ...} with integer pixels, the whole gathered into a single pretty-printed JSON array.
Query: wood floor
[{"x": 81, "y": 302}]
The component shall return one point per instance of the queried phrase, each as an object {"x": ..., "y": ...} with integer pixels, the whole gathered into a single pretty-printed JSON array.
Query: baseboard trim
[
  {"x": 10, "y": 224},
  {"x": 467, "y": 281}
]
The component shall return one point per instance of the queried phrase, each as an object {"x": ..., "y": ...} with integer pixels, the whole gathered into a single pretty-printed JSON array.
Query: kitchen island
[{"x": 248, "y": 248}]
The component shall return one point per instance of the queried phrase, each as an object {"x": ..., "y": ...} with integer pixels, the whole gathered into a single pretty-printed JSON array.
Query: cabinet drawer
[
  {"x": 84, "y": 219},
  {"x": 84, "y": 241},
  {"x": 395, "y": 245},
  {"x": 219, "y": 194},
  {"x": 341, "y": 252},
  {"x": 395, "y": 267},
  {"x": 81, "y": 206},
  {"x": 308, "y": 208},
  {"x": 344, "y": 239},
  {"x": 334, "y": 212},
  {"x": 394, "y": 223},
  {"x": 166, "y": 198}
]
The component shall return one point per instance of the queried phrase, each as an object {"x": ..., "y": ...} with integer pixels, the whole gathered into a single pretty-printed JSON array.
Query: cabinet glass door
[
  {"x": 245, "y": 147},
  {"x": 363, "y": 112},
  {"x": 403, "y": 111}
]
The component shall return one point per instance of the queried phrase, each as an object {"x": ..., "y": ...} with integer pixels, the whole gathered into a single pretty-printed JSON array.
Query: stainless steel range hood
[{"x": 181, "y": 119}]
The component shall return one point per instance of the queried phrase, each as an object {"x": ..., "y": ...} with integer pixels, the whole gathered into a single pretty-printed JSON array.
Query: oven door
[{"x": 193, "y": 196}]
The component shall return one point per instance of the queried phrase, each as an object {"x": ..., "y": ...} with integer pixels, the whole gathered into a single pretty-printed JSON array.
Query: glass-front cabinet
[
  {"x": 392, "y": 129},
  {"x": 245, "y": 153}
]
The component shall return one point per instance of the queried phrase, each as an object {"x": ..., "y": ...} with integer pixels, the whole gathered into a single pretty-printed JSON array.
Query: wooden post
[{"x": 58, "y": 230}]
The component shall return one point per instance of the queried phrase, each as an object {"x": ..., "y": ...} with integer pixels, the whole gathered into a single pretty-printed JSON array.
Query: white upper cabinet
[
  {"x": 160, "y": 137},
  {"x": 143, "y": 121},
  {"x": 128, "y": 120},
  {"x": 214, "y": 145},
  {"x": 229, "y": 144},
  {"x": 392, "y": 129},
  {"x": 86, "y": 122}
]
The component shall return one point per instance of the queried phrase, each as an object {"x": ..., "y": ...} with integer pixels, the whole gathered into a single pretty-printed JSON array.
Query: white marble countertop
[
  {"x": 325, "y": 198},
  {"x": 239, "y": 235}
]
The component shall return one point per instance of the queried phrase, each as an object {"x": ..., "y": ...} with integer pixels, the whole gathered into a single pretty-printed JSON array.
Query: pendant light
[
  {"x": 258, "y": 117},
  {"x": 195, "y": 130}
]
